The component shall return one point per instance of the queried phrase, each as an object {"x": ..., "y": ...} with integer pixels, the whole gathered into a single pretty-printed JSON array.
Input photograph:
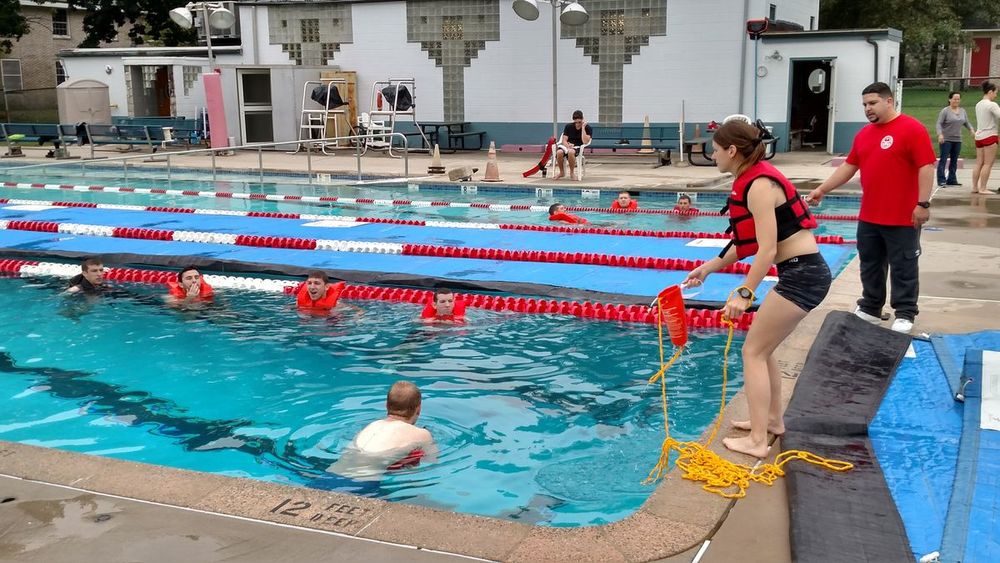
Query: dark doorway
[
  {"x": 163, "y": 91},
  {"x": 809, "y": 117}
]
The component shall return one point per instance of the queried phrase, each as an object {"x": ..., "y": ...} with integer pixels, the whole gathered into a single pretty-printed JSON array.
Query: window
[
  {"x": 772, "y": 12},
  {"x": 60, "y": 23},
  {"x": 10, "y": 71},
  {"x": 60, "y": 73}
]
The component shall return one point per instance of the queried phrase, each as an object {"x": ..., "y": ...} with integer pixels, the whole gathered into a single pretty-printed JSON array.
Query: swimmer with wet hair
[{"x": 391, "y": 443}]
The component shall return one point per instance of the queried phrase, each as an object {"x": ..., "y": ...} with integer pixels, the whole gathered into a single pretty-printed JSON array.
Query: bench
[
  {"x": 629, "y": 138},
  {"x": 131, "y": 135},
  {"x": 461, "y": 137},
  {"x": 59, "y": 134},
  {"x": 702, "y": 156},
  {"x": 183, "y": 130}
]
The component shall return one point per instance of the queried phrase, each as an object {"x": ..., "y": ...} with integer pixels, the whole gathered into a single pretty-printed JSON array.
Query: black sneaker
[{"x": 953, "y": 184}]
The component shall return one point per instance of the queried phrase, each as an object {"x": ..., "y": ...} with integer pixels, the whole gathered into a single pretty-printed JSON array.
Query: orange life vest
[
  {"x": 328, "y": 301},
  {"x": 567, "y": 218},
  {"x": 632, "y": 204},
  {"x": 457, "y": 312},
  {"x": 205, "y": 292},
  {"x": 792, "y": 216}
]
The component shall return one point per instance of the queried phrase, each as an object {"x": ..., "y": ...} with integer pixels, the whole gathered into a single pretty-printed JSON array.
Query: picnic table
[
  {"x": 700, "y": 157},
  {"x": 456, "y": 131}
]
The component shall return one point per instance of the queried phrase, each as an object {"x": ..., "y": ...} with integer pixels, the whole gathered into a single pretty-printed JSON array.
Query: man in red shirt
[{"x": 896, "y": 160}]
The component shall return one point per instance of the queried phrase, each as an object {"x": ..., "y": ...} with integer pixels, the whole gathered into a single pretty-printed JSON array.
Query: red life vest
[
  {"x": 632, "y": 204},
  {"x": 567, "y": 218},
  {"x": 792, "y": 216},
  {"x": 328, "y": 301},
  {"x": 205, "y": 292},
  {"x": 457, "y": 312}
]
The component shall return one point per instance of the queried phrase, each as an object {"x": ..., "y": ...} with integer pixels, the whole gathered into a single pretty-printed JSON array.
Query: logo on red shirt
[{"x": 886, "y": 142}]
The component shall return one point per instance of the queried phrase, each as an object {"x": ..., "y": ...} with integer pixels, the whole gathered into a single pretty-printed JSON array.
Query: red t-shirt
[{"x": 889, "y": 157}]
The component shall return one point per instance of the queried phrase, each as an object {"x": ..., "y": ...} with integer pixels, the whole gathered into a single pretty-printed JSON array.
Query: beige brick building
[{"x": 30, "y": 72}]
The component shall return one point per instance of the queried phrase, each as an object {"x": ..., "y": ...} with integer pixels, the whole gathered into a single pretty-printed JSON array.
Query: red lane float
[
  {"x": 694, "y": 318},
  {"x": 547, "y": 256}
]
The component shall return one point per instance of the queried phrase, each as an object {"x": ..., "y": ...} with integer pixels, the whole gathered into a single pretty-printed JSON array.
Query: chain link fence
[
  {"x": 36, "y": 105},
  {"x": 924, "y": 98}
]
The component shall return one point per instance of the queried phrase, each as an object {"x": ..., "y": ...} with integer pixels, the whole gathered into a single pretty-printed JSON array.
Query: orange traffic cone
[
  {"x": 697, "y": 134},
  {"x": 492, "y": 171},
  {"x": 436, "y": 167}
]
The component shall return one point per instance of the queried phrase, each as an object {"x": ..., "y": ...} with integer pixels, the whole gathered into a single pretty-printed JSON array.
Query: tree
[
  {"x": 927, "y": 25},
  {"x": 13, "y": 25},
  {"x": 150, "y": 21}
]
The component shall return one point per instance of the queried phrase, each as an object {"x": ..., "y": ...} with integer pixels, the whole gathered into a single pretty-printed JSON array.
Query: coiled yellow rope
[{"x": 697, "y": 462}]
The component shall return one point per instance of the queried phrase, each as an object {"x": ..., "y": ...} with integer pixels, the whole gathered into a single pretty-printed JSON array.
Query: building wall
[
  {"x": 37, "y": 53},
  {"x": 854, "y": 68}
]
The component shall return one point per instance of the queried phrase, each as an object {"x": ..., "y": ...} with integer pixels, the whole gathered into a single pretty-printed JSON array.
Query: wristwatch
[
  {"x": 744, "y": 292},
  {"x": 924, "y": 204}
]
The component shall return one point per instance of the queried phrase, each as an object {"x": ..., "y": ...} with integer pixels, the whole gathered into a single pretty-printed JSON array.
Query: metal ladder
[
  {"x": 313, "y": 122},
  {"x": 390, "y": 115}
]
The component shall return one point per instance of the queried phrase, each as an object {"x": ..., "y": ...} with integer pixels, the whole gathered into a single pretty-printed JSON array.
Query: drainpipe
[
  {"x": 743, "y": 58},
  {"x": 868, "y": 38},
  {"x": 256, "y": 60}
]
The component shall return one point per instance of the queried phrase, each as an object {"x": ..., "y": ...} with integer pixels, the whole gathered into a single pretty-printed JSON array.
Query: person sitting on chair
[{"x": 575, "y": 134}]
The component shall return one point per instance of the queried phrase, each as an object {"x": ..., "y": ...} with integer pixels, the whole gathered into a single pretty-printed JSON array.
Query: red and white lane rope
[
  {"x": 371, "y": 201},
  {"x": 405, "y": 249},
  {"x": 822, "y": 239},
  {"x": 696, "y": 318},
  {"x": 295, "y": 243}
]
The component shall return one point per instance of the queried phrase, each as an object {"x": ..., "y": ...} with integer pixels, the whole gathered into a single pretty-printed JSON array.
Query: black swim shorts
[{"x": 804, "y": 280}]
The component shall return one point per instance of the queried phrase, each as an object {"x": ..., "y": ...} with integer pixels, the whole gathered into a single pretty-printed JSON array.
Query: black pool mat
[{"x": 843, "y": 516}]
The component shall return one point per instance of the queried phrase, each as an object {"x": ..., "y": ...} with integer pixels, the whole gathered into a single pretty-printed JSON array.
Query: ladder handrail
[{"x": 258, "y": 146}]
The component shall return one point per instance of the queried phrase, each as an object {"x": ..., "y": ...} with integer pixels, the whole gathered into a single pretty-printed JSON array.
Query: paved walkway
[{"x": 960, "y": 292}]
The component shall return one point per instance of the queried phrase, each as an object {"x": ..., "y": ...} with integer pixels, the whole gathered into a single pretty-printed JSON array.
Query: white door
[{"x": 832, "y": 107}]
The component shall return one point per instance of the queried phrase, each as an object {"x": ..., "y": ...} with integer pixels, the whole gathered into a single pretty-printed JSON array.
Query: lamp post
[
  {"x": 572, "y": 14},
  {"x": 214, "y": 15}
]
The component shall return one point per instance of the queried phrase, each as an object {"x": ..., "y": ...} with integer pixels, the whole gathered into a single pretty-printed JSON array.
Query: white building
[{"x": 476, "y": 61}]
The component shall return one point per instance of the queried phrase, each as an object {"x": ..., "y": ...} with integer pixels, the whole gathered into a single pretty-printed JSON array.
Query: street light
[
  {"x": 572, "y": 14},
  {"x": 214, "y": 14}
]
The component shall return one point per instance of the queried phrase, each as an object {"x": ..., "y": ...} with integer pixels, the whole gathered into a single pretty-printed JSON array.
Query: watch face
[{"x": 744, "y": 293}]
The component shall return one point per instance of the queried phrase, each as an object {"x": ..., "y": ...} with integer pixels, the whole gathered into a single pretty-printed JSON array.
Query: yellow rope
[{"x": 697, "y": 462}]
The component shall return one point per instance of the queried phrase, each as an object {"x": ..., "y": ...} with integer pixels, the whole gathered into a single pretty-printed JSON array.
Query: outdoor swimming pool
[{"x": 541, "y": 419}]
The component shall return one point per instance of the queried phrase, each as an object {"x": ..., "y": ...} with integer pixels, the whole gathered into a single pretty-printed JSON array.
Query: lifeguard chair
[
  {"x": 393, "y": 100},
  {"x": 322, "y": 105}
]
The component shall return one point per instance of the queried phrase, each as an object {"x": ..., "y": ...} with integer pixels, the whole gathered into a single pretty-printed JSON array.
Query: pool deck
[{"x": 66, "y": 505}]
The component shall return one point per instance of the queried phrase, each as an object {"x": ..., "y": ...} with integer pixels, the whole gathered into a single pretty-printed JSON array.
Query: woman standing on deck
[
  {"x": 987, "y": 116},
  {"x": 771, "y": 223},
  {"x": 949, "y": 126}
]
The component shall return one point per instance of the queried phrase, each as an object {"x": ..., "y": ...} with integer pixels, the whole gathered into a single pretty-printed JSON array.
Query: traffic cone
[
  {"x": 436, "y": 167},
  {"x": 492, "y": 171},
  {"x": 697, "y": 133},
  {"x": 647, "y": 142}
]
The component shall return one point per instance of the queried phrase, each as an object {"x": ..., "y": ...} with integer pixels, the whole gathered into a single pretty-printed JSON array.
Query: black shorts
[{"x": 804, "y": 280}]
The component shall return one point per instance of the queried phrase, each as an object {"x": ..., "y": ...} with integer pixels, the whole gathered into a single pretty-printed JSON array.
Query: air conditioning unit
[{"x": 229, "y": 33}]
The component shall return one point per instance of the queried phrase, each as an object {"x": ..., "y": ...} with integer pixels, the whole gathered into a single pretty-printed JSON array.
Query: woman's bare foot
[
  {"x": 747, "y": 446},
  {"x": 982, "y": 192},
  {"x": 776, "y": 428},
  {"x": 557, "y": 176}
]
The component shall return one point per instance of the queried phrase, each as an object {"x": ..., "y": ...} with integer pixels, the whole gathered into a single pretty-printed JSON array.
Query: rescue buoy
[
  {"x": 412, "y": 459},
  {"x": 671, "y": 306}
]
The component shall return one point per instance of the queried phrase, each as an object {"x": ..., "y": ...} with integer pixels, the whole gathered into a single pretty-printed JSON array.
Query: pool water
[
  {"x": 706, "y": 202},
  {"x": 540, "y": 419}
]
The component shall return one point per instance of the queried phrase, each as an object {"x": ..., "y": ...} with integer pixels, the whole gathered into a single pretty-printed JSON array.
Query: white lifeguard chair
[
  {"x": 393, "y": 100},
  {"x": 322, "y": 105}
]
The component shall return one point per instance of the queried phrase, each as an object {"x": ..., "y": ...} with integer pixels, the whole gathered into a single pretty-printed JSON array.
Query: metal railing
[{"x": 166, "y": 156}]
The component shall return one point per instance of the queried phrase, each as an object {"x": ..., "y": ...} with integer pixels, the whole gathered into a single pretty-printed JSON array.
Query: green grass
[{"x": 926, "y": 103}]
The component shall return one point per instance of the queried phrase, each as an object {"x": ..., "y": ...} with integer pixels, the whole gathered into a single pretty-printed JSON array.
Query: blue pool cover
[{"x": 629, "y": 285}]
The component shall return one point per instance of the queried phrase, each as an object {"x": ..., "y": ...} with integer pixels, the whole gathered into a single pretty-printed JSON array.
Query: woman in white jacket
[{"x": 987, "y": 118}]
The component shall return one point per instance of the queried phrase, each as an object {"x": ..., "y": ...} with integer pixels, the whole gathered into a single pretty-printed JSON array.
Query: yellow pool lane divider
[{"x": 697, "y": 462}]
